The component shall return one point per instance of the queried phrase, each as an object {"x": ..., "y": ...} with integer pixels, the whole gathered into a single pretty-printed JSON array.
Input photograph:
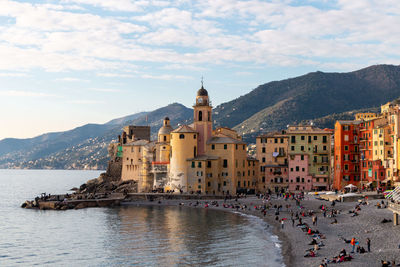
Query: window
[
  {"x": 200, "y": 115},
  {"x": 194, "y": 136},
  {"x": 346, "y": 167},
  {"x": 181, "y": 136},
  {"x": 225, "y": 163},
  {"x": 244, "y": 147},
  {"x": 315, "y": 137},
  {"x": 302, "y": 169},
  {"x": 302, "y": 180},
  {"x": 346, "y": 138},
  {"x": 194, "y": 152},
  {"x": 346, "y": 148},
  {"x": 302, "y": 148},
  {"x": 263, "y": 179},
  {"x": 303, "y": 137},
  {"x": 263, "y": 160},
  {"x": 213, "y": 147},
  {"x": 324, "y": 148},
  {"x": 309, "y": 138},
  {"x": 199, "y": 180},
  {"x": 292, "y": 148},
  {"x": 209, "y": 184},
  {"x": 293, "y": 139},
  {"x": 302, "y": 157},
  {"x": 324, "y": 139},
  {"x": 291, "y": 169},
  {"x": 224, "y": 183},
  {"x": 236, "y": 147},
  {"x": 281, "y": 140},
  {"x": 297, "y": 168},
  {"x": 165, "y": 138},
  {"x": 209, "y": 164},
  {"x": 225, "y": 146},
  {"x": 238, "y": 183},
  {"x": 199, "y": 164},
  {"x": 193, "y": 164},
  {"x": 263, "y": 150},
  {"x": 276, "y": 140}
]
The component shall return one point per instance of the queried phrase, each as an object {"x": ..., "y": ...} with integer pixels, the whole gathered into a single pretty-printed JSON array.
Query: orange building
[{"x": 347, "y": 154}]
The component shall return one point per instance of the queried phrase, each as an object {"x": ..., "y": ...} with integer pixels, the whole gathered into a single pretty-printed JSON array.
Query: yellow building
[{"x": 365, "y": 116}]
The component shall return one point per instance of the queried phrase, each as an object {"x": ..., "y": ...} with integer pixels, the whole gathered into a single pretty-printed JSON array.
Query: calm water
[{"x": 123, "y": 236}]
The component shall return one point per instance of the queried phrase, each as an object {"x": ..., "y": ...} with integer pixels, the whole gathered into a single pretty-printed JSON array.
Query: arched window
[
  {"x": 200, "y": 115},
  {"x": 165, "y": 138},
  {"x": 181, "y": 136}
]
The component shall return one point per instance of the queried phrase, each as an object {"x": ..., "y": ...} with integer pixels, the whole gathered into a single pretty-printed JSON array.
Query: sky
[{"x": 66, "y": 63}]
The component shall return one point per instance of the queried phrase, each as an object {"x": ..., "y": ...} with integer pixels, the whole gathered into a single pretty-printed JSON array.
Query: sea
[{"x": 128, "y": 235}]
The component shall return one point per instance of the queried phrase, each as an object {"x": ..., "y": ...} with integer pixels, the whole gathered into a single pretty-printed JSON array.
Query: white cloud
[
  {"x": 13, "y": 74},
  {"x": 55, "y": 37},
  {"x": 115, "y": 75},
  {"x": 15, "y": 93},
  {"x": 71, "y": 79},
  {"x": 165, "y": 77},
  {"x": 85, "y": 102},
  {"x": 106, "y": 90}
]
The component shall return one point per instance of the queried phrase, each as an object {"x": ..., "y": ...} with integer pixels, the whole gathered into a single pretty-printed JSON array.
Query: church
[{"x": 190, "y": 159}]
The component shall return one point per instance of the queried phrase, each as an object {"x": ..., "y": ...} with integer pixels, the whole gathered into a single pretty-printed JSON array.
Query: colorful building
[
  {"x": 347, "y": 154},
  {"x": 316, "y": 144},
  {"x": 191, "y": 158},
  {"x": 271, "y": 151}
]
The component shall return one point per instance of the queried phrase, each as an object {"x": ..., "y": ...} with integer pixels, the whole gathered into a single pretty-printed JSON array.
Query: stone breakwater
[{"x": 104, "y": 191}]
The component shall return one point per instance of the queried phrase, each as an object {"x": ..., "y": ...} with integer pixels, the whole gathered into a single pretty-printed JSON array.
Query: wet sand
[{"x": 385, "y": 237}]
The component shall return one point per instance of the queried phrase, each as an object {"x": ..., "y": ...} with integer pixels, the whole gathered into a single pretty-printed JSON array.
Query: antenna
[{"x": 202, "y": 81}]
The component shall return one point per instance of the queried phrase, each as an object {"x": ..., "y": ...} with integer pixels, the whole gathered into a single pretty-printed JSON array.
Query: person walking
[
  {"x": 369, "y": 244},
  {"x": 282, "y": 223},
  {"x": 353, "y": 244}
]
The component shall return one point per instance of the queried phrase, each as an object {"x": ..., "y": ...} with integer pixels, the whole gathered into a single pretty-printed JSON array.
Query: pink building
[{"x": 299, "y": 179}]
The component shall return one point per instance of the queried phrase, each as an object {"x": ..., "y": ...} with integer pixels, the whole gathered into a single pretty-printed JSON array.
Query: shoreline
[{"x": 385, "y": 237}]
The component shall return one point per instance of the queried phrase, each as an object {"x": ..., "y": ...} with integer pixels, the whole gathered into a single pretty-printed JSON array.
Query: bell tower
[{"x": 202, "y": 119}]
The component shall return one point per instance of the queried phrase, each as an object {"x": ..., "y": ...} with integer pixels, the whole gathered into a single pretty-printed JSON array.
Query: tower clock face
[{"x": 200, "y": 100}]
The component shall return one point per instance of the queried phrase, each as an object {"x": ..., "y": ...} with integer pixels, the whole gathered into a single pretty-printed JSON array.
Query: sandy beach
[{"x": 385, "y": 238}]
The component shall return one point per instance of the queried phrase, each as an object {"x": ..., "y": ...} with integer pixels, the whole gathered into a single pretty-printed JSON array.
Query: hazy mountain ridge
[{"x": 317, "y": 96}]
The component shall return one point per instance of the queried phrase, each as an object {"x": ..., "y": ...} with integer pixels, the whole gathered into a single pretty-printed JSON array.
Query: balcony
[{"x": 320, "y": 151}]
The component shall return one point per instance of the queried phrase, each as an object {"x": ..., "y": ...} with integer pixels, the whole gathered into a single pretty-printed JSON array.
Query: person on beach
[
  {"x": 353, "y": 244},
  {"x": 369, "y": 244},
  {"x": 282, "y": 223}
]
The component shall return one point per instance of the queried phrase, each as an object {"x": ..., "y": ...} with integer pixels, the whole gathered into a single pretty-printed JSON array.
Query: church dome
[
  {"x": 202, "y": 92},
  {"x": 166, "y": 129}
]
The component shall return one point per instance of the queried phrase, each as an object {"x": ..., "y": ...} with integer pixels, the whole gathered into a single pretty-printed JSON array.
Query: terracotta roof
[
  {"x": 137, "y": 143},
  {"x": 223, "y": 139},
  {"x": 348, "y": 122},
  {"x": 273, "y": 134},
  {"x": 184, "y": 129}
]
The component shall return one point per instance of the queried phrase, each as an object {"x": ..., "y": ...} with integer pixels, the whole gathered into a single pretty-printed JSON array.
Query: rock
[
  {"x": 81, "y": 206},
  {"x": 65, "y": 207},
  {"x": 24, "y": 205},
  {"x": 74, "y": 189}
]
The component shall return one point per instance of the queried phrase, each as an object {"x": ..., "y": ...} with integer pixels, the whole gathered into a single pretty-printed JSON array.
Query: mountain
[
  {"x": 274, "y": 105},
  {"x": 82, "y": 147},
  {"x": 319, "y": 97}
]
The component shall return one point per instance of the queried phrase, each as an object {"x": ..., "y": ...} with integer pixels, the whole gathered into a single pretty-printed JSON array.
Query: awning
[
  {"x": 275, "y": 154},
  {"x": 350, "y": 186}
]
